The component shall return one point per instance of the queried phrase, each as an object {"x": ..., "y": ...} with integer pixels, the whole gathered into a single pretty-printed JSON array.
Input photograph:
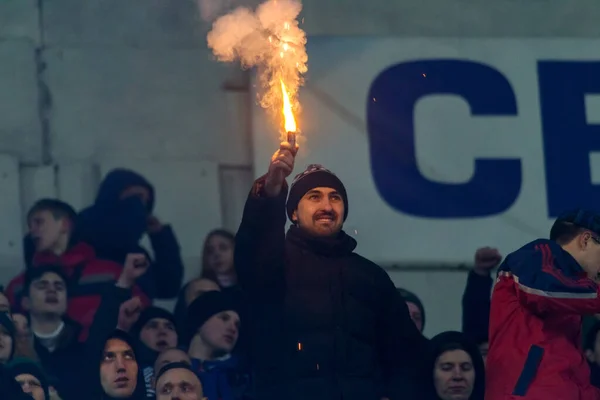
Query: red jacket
[
  {"x": 535, "y": 327},
  {"x": 91, "y": 274}
]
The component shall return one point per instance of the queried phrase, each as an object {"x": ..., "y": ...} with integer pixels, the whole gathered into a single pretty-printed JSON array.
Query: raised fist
[{"x": 486, "y": 259}]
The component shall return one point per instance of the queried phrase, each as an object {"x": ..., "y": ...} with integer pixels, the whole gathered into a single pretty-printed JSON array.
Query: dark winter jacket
[
  {"x": 114, "y": 227},
  {"x": 222, "y": 379},
  {"x": 326, "y": 323},
  {"x": 9, "y": 388},
  {"x": 65, "y": 363},
  {"x": 476, "y": 303},
  {"x": 441, "y": 343}
]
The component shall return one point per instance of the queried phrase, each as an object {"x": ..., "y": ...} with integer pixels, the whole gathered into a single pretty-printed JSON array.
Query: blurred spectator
[
  {"x": 177, "y": 381},
  {"x": 115, "y": 224},
  {"x": 415, "y": 308},
  {"x": 592, "y": 352},
  {"x": 327, "y": 323},
  {"x": 55, "y": 336},
  {"x": 543, "y": 290},
  {"x": 453, "y": 369},
  {"x": 213, "y": 326},
  {"x": 31, "y": 377},
  {"x": 9, "y": 388},
  {"x": 4, "y": 303},
  {"x": 24, "y": 347},
  {"x": 120, "y": 375},
  {"x": 476, "y": 299},
  {"x": 217, "y": 258},
  {"x": 7, "y": 338},
  {"x": 153, "y": 332},
  {"x": 51, "y": 225},
  {"x": 189, "y": 293},
  {"x": 172, "y": 355}
]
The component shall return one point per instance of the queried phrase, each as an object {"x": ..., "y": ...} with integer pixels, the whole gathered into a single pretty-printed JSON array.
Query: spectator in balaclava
[
  {"x": 55, "y": 336},
  {"x": 51, "y": 226},
  {"x": 213, "y": 326},
  {"x": 190, "y": 292},
  {"x": 415, "y": 308},
  {"x": 4, "y": 303},
  {"x": 7, "y": 338},
  {"x": 337, "y": 327},
  {"x": 177, "y": 381},
  {"x": 154, "y": 331},
  {"x": 452, "y": 369},
  {"x": 172, "y": 355},
  {"x": 592, "y": 352},
  {"x": 120, "y": 376},
  {"x": 117, "y": 221},
  {"x": 31, "y": 377}
]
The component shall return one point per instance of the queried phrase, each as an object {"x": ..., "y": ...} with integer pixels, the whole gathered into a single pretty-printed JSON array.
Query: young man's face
[
  {"x": 220, "y": 332},
  {"x": 454, "y": 375},
  {"x": 47, "y": 295},
  {"x": 170, "y": 356},
  {"x": 118, "y": 369},
  {"x": 320, "y": 212},
  {"x": 179, "y": 383},
  {"x": 47, "y": 231},
  {"x": 159, "y": 334},
  {"x": 31, "y": 385},
  {"x": 6, "y": 345}
]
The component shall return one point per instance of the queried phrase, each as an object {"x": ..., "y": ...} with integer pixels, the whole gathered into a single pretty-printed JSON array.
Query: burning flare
[
  {"x": 288, "y": 115},
  {"x": 270, "y": 39}
]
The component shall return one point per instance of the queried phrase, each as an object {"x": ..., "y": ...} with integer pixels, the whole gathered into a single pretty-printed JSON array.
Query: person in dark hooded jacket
[
  {"x": 9, "y": 388},
  {"x": 7, "y": 338},
  {"x": 31, "y": 377},
  {"x": 116, "y": 222},
  {"x": 326, "y": 323},
  {"x": 154, "y": 331},
  {"x": 452, "y": 369},
  {"x": 118, "y": 375}
]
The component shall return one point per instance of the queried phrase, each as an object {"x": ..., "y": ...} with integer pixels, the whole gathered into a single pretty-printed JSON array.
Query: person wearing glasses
[{"x": 542, "y": 292}]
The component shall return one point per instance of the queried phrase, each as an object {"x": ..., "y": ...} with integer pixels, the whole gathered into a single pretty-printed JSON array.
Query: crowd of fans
[{"x": 272, "y": 322}]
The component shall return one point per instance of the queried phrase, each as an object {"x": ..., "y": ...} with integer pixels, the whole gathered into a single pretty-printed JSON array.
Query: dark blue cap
[{"x": 583, "y": 218}]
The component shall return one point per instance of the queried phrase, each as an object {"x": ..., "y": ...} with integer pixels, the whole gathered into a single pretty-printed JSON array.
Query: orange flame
[{"x": 288, "y": 115}]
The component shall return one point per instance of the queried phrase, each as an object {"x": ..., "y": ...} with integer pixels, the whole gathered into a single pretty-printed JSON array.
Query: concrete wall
[{"x": 88, "y": 85}]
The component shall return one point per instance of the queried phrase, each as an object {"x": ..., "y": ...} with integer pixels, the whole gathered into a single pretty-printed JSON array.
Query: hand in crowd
[
  {"x": 486, "y": 259},
  {"x": 136, "y": 265},
  {"x": 154, "y": 224},
  {"x": 129, "y": 312},
  {"x": 281, "y": 166}
]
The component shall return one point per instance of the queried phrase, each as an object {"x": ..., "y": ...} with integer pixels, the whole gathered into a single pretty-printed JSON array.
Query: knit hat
[
  {"x": 174, "y": 365},
  {"x": 22, "y": 366},
  {"x": 149, "y": 314},
  {"x": 8, "y": 324},
  {"x": 314, "y": 176},
  {"x": 410, "y": 297},
  {"x": 204, "y": 307}
]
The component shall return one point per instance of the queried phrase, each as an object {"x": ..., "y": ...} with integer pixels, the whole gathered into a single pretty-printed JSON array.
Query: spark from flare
[{"x": 270, "y": 39}]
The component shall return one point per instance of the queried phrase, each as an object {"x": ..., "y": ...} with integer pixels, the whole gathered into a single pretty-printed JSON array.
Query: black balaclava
[
  {"x": 98, "y": 392},
  {"x": 7, "y": 323},
  {"x": 25, "y": 366},
  {"x": 147, "y": 356},
  {"x": 447, "y": 341}
]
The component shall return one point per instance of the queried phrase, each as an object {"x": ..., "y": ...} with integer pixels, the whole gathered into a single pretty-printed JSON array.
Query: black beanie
[
  {"x": 410, "y": 297},
  {"x": 204, "y": 307},
  {"x": 174, "y": 365},
  {"x": 149, "y": 314},
  {"x": 25, "y": 366},
  {"x": 314, "y": 176}
]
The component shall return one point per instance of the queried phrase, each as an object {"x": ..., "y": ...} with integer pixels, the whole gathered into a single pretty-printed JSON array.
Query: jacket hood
[
  {"x": 25, "y": 366},
  {"x": 140, "y": 390},
  {"x": 116, "y": 182},
  {"x": 446, "y": 341}
]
